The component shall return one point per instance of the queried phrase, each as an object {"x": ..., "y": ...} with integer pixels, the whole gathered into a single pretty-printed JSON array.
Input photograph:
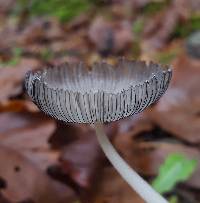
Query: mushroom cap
[{"x": 73, "y": 93}]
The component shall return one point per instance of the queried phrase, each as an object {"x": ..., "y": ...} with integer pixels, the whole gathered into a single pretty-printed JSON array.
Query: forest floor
[{"x": 47, "y": 161}]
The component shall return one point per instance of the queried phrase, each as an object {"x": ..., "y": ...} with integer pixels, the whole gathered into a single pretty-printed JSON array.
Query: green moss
[
  {"x": 184, "y": 29},
  {"x": 138, "y": 26},
  {"x": 64, "y": 10},
  {"x": 154, "y": 7}
]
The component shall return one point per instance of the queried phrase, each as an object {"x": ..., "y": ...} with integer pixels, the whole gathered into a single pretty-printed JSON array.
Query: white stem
[{"x": 129, "y": 175}]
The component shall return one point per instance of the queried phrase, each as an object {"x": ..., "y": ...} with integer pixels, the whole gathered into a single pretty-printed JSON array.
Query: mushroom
[{"x": 106, "y": 93}]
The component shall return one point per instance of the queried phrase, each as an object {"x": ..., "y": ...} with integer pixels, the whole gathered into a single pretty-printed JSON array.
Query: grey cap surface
[{"x": 72, "y": 93}]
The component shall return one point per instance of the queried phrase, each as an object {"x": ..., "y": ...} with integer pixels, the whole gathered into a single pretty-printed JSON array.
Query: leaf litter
[{"x": 43, "y": 160}]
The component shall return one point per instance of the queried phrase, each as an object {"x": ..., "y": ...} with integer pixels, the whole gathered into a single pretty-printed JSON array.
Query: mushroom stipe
[{"x": 106, "y": 93}]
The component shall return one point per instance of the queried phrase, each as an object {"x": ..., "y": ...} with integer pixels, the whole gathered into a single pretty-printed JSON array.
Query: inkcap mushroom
[{"x": 106, "y": 93}]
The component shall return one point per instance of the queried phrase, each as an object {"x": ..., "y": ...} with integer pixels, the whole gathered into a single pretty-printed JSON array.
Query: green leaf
[{"x": 176, "y": 168}]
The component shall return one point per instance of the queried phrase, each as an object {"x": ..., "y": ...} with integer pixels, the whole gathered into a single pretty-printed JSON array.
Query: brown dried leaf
[
  {"x": 11, "y": 78},
  {"x": 6, "y": 6},
  {"x": 40, "y": 30},
  {"x": 113, "y": 189},
  {"x": 18, "y": 106},
  {"x": 159, "y": 28},
  {"x": 66, "y": 133},
  {"x": 135, "y": 124},
  {"x": 146, "y": 157},
  {"x": 182, "y": 100},
  {"x": 28, "y": 133},
  {"x": 110, "y": 37},
  {"x": 3, "y": 199},
  {"x": 26, "y": 181},
  {"x": 82, "y": 159}
]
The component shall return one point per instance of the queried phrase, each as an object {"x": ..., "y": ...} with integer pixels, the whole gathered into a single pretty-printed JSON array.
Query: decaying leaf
[
  {"x": 11, "y": 78},
  {"x": 113, "y": 189},
  {"x": 159, "y": 28},
  {"x": 182, "y": 100},
  {"x": 40, "y": 30},
  {"x": 31, "y": 143},
  {"x": 3, "y": 199},
  {"x": 24, "y": 180},
  {"x": 83, "y": 159},
  {"x": 110, "y": 37},
  {"x": 28, "y": 133},
  {"x": 6, "y": 6},
  {"x": 147, "y": 157},
  {"x": 17, "y": 106}
]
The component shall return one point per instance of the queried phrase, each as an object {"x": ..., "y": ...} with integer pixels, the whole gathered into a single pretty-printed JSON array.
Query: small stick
[{"x": 128, "y": 174}]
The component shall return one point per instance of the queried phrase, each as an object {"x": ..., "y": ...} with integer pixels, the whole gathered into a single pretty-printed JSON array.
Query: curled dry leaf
[
  {"x": 25, "y": 181},
  {"x": 182, "y": 100}
]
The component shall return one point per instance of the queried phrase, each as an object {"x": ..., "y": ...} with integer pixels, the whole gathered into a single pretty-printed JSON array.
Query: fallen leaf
[
  {"x": 110, "y": 37},
  {"x": 11, "y": 78},
  {"x": 82, "y": 159},
  {"x": 113, "y": 189},
  {"x": 40, "y": 30},
  {"x": 66, "y": 133},
  {"x": 25, "y": 181},
  {"x": 181, "y": 100},
  {"x": 3, "y": 200},
  {"x": 28, "y": 133},
  {"x": 159, "y": 28},
  {"x": 17, "y": 106},
  {"x": 101, "y": 35},
  {"x": 135, "y": 124},
  {"x": 147, "y": 156},
  {"x": 6, "y": 6}
]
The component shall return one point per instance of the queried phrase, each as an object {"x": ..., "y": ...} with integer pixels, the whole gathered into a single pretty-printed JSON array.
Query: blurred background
[{"x": 46, "y": 161}]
